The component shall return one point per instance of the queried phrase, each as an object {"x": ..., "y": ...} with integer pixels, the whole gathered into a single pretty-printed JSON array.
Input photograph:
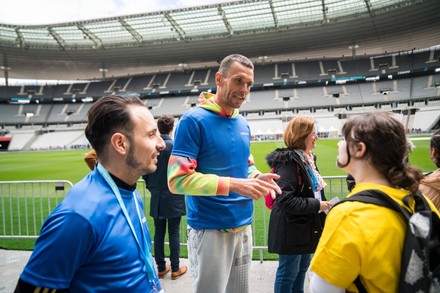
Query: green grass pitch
[{"x": 69, "y": 165}]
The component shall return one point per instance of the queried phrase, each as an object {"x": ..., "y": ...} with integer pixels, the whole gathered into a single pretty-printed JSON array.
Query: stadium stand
[
  {"x": 326, "y": 78},
  {"x": 55, "y": 140},
  {"x": 418, "y": 98}
]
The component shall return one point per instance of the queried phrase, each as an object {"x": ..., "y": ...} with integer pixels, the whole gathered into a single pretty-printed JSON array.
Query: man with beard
[
  {"x": 97, "y": 238},
  {"x": 212, "y": 165}
]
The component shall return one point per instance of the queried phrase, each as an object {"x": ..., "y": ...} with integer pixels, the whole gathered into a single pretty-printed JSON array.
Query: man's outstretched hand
[{"x": 256, "y": 187}]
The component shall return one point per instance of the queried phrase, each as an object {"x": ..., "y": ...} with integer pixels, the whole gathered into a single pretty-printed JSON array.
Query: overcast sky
[{"x": 36, "y": 12}]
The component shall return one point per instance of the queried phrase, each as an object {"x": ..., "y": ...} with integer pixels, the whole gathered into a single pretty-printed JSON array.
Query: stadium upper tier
[
  {"x": 398, "y": 82},
  {"x": 320, "y": 78},
  {"x": 270, "y": 29}
]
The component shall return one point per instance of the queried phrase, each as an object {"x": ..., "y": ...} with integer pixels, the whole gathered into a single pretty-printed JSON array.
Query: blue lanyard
[{"x": 145, "y": 256}]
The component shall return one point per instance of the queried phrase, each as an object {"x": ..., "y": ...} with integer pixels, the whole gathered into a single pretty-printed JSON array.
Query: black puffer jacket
[{"x": 295, "y": 222}]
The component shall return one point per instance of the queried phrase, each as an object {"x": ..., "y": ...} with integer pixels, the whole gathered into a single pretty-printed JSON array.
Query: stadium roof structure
[{"x": 264, "y": 30}]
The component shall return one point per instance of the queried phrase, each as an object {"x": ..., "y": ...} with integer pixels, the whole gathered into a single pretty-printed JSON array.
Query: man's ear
[
  {"x": 119, "y": 143},
  {"x": 218, "y": 78}
]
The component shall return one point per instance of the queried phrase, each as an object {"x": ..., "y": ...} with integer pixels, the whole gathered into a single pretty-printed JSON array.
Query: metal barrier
[{"x": 26, "y": 204}]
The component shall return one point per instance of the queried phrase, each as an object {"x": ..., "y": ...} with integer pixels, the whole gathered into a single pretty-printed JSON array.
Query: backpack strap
[
  {"x": 359, "y": 285},
  {"x": 420, "y": 203},
  {"x": 377, "y": 197}
]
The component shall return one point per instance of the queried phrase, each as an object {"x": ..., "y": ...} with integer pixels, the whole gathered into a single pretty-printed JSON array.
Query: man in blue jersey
[
  {"x": 97, "y": 238},
  {"x": 212, "y": 165}
]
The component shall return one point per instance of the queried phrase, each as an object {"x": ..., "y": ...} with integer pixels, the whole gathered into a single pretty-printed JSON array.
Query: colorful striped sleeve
[
  {"x": 252, "y": 169},
  {"x": 183, "y": 179}
]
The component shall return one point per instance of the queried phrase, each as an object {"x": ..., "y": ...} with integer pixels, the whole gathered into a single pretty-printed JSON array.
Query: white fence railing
[{"x": 24, "y": 206}]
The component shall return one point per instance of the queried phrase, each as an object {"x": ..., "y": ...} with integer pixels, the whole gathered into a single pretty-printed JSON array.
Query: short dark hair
[
  {"x": 165, "y": 124},
  {"x": 107, "y": 116},
  {"x": 226, "y": 63}
]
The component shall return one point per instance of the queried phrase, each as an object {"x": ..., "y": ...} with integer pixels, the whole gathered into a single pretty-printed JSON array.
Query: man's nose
[{"x": 160, "y": 143}]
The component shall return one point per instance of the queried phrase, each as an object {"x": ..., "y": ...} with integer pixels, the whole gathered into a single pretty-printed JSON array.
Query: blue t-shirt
[
  {"x": 221, "y": 146},
  {"x": 86, "y": 244}
]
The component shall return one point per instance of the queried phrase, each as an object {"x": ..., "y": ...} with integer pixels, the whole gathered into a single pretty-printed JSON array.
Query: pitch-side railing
[{"x": 24, "y": 206}]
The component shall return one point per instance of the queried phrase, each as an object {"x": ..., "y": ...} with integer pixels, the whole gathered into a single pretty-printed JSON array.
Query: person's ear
[
  {"x": 359, "y": 150},
  {"x": 218, "y": 78},
  {"x": 433, "y": 154},
  {"x": 119, "y": 143}
]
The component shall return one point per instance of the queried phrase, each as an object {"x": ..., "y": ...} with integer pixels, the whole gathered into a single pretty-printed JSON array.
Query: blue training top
[
  {"x": 221, "y": 146},
  {"x": 86, "y": 245}
]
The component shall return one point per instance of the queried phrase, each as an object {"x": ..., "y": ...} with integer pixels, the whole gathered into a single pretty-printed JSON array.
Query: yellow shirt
[{"x": 362, "y": 239}]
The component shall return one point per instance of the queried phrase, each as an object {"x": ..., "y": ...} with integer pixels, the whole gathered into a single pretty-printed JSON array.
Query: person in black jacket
[
  {"x": 297, "y": 217},
  {"x": 165, "y": 206}
]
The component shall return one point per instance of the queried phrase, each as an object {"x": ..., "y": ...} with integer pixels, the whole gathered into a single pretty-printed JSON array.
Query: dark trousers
[{"x": 160, "y": 226}]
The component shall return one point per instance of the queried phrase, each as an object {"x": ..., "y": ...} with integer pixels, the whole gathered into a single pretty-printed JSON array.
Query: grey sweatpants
[{"x": 220, "y": 261}]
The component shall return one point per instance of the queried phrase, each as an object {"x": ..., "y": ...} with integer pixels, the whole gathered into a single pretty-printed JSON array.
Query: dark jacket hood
[{"x": 280, "y": 156}]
